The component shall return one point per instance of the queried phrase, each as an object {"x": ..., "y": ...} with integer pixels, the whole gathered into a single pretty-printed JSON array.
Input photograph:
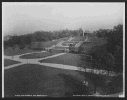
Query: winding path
[{"x": 61, "y": 66}]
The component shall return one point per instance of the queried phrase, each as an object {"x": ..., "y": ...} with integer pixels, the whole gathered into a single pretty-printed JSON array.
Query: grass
[
  {"x": 35, "y": 79},
  {"x": 79, "y": 38},
  {"x": 8, "y": 62},
  {"x": 37, "y": 55},
  {"x": 59, "y": 47},
  {"x": 16, "y": 51},
  {"x": 48, "y": 43},
  {"x": 102, "y": 85},
  {"x": 62, "y": 39},
  {"x": 68, "y": 59},
  {"x": 41, "y": 80}
]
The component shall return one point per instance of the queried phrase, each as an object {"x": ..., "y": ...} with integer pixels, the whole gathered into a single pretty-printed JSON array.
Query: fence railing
[{"x": 98, "y": 68}]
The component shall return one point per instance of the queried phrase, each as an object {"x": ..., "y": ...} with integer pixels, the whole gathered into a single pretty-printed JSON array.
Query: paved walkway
[
  {"x": 12, "y": 66},
  {"x": 61, "y": 66},
  {"x": 26, "y": 61},
  {"x": 71, "y": 38}
]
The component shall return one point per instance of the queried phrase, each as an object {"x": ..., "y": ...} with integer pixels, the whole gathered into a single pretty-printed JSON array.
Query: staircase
[
  {"x": 87, "y": 39},
  {"x": 60, "y": 47},
  {"x": 59, "y": 44},
  {"x": 77, "y": 45},
  {"x": 71, "y": 38}
]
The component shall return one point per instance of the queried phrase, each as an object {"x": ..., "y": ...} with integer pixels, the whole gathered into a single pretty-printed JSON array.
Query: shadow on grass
[
  {"x": 75, "y": 86},
  {"x": 105, "y": 85},
  {"x": 8, "y": 62}
]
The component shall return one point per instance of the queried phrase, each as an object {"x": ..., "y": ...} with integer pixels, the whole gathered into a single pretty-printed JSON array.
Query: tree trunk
[{"x": 94, "y": 88}]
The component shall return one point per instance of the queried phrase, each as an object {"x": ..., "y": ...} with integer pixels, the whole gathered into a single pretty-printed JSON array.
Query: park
[
  {"x": 73, "y": 49},
  {"x": 27, "y": 71}
]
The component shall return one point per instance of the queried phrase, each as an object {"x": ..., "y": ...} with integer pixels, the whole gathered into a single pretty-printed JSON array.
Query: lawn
[
  {"x": 79, "y": 38},
  {"x": 16, "y": 51},
  {"x": 8, "y": 62},
  {"x": 47, "y": 43},
  {"x": 62, "y": 39},
  {"x": 59, "y": 48},
  {"x": 37, "y": 55},
  {"x": 68, "y": 59},
  {"x": 41, "y": 80},
  {"x": 37, "y": 79},
  {"x": 105, "y": 84}
]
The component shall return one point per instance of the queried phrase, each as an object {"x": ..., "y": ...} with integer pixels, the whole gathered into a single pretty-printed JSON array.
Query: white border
[
  {"x": 2, "y": 58},
  {"x": 123, "y": 52},
  {"x": 123, "y": 95}
]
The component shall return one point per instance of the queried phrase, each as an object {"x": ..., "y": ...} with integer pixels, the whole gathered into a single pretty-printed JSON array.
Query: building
[{"x": 86, "y": 33}]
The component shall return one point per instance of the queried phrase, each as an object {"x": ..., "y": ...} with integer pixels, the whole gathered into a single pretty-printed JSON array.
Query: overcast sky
[{"x": 23, "y": 18}]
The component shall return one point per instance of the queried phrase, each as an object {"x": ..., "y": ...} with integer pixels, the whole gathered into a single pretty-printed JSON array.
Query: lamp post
[
  {"x": 92, "y": 63},
  {"x": 91, "y": 60}
]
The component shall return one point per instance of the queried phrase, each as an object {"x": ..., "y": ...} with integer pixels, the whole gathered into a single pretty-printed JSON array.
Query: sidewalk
[{"x": 61, "y": 66}]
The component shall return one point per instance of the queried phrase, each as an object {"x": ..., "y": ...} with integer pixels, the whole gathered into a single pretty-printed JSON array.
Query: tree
[
  {"x": 71, "y": 48},
  {"x": 22, "y": 43}
]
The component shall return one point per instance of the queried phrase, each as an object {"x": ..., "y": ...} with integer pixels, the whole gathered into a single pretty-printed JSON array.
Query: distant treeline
[{"x": 39, "y": 36}]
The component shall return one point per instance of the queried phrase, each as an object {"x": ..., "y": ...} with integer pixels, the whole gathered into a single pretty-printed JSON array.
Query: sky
[{"x": 23, "y": 18}]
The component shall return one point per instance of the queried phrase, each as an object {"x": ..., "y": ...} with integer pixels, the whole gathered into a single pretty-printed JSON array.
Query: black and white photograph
[{"x": 63, "y": 49}]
